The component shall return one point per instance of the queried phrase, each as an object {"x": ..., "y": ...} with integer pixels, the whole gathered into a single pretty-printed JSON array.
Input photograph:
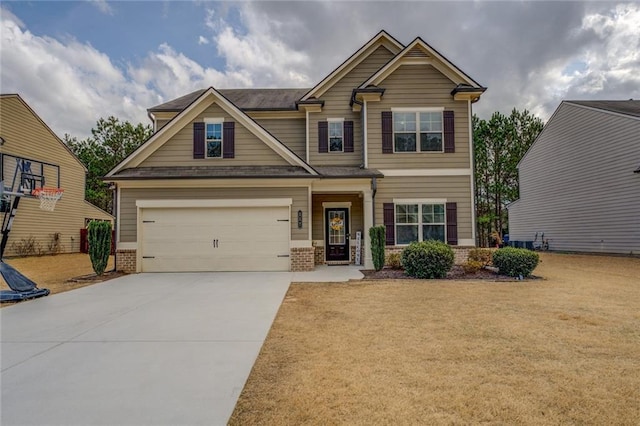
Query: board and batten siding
[
  {"x": 128, "y": 210},
  {"x": 26, "y": 136},
  {"x": 249, "y": 150},
  {"x": 356, "y": 218},
  {"x": 417, "y": 86},
  {"x": 289, "y": 131},
  {"x": 336, "y": 105},
  {"x": 455, "y": 189},
  {"x": 577, "y": 183}
]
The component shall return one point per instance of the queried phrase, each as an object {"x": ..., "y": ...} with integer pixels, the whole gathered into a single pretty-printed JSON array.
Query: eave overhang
[{"x": 463, "y": 92}]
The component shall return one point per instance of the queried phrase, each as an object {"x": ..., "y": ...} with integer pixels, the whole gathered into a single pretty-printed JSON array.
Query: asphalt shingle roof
[{"x": 630, "y": 107}]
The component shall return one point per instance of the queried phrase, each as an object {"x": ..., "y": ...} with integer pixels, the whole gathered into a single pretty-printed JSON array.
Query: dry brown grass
[
  {"x": 564, "y": 350},
  {"x": 54, "y": 272}
]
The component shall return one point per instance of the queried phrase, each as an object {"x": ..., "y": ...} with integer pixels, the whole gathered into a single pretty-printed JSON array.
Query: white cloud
[
  {"x": 203, "y": 40},
  {"x": 102, "y": 6}
]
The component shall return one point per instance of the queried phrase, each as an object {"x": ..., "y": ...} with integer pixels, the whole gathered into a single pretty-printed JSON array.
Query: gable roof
[
  {"x": 382, "y": 38},
  {"x": 629, "y": 107},
  {"x": 419, "y": 51},
  {"x": 245, "y": 99},
  {"x": 198, "y": 105}
]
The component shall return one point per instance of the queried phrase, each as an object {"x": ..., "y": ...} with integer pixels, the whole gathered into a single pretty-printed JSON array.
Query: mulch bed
[
  {"x": 93, "y": 278},
  {"x": 456, "y": 273}
]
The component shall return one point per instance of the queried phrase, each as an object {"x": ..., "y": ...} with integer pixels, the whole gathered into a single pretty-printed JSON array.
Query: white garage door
[{"x": 215, "y": 239}]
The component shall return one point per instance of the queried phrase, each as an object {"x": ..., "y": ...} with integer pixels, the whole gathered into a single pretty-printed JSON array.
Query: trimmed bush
[
  {"x": 99, "y": 237},
  {"x": 394, "y": 261},
  {"x": 472, "y": 266},
  {"x": 377, "y": 237},
  {"x": 515, "y": 261},
  {"x": 427, "y": 259},
  {"x": 481, "y": 255}
]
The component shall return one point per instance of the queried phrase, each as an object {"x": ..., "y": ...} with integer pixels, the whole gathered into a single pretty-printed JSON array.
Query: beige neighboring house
[
  {"x": 286, "y": 179},
  {"x": 25, "y": 136}
]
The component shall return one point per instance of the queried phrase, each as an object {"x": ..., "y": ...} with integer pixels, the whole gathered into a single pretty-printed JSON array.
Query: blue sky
[{"x": 77, "y": 61}]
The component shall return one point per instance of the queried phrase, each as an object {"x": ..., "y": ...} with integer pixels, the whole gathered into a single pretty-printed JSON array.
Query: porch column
[{"x": 367, "y": 206}]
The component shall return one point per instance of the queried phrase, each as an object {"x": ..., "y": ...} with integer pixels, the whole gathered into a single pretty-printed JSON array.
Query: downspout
[
  {"x": 307, "y": 133},
  {"x": 114, "y": 208},
  {"x": 374, "y": 189}
]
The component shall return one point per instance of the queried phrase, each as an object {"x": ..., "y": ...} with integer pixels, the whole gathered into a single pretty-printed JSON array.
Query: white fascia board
[
  {"x": 216, "y": 183},
  {"x": 425, "y": 172},
  {"x": 342, "y": 185},
  {"x": 419, "y": 201},
  {"x": 252, "y": 202}
]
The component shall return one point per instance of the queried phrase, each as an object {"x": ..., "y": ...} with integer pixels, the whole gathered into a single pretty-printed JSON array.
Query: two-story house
[{"x": 283, "y": 179}]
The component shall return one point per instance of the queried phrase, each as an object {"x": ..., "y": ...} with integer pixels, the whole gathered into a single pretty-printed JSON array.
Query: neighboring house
[
  {"x": 283, "y": 179},
  {"x": 580, "y": 180},
  {"x": 25, "y": 136}
]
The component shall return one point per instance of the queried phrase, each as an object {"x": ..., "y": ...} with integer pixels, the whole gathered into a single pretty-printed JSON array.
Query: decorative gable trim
[
  {"x": 189, "y": 114},
  {"x": 419, "y": 52},
  {"x": 380, "y": 39}
]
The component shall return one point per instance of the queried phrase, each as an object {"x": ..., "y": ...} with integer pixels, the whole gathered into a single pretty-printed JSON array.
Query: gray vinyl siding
[
  {"x": 577, "y": 183},
  {"x": 455, "y": 189},
  {"x": 289, "y": 131},
  {"x": 249, "y": 150},
  {"x": 357, "y": 215},
  {"x": 128, "y": 210},
  {"x": 336, "y": 105},
  {"x": 417, "y": 86},
  {"x": 26, "y": 136}
]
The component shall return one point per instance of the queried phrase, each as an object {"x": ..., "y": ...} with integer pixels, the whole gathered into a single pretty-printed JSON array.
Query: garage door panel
[{"x": 215, "y": 239}]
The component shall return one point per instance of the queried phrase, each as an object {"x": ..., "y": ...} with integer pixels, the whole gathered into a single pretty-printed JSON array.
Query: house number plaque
[{"x": 215, "y": 244}]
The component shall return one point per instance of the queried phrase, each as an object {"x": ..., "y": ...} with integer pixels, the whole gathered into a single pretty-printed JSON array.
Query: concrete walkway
[{"x": 146, "y": 349}]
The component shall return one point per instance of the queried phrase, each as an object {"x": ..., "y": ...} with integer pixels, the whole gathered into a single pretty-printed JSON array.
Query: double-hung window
[
  {"x": 213, "y": 138},
  {"x": 336, "y": 135},
  {"x": 418, "y": 131},
  {"x": 420, "y": 222}
]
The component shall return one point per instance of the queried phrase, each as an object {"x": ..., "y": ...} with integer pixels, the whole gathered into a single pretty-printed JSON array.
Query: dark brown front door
[{"x": 336, "y": 222}]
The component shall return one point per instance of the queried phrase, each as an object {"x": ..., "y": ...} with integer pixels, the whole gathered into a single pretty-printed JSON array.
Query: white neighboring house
[{"x": 580, "y": 180}]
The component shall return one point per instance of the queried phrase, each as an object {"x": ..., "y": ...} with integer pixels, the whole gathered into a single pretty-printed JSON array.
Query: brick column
[{"x": 302, "y": 259}]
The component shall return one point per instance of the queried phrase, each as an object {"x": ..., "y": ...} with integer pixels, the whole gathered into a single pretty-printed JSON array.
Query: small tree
[
  {"x": 99, "y": 237},
  {"x": 377, "y": 237}
]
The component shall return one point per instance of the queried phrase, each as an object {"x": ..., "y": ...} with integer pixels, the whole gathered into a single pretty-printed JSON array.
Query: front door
[{"x": 337, "y": 231}]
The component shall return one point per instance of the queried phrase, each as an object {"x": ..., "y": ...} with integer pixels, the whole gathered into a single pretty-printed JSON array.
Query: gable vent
[{"x": 416, "y": 52}]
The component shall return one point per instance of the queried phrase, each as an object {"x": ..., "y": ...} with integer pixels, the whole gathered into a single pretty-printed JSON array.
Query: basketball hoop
[{"x": 48, "y": 197}]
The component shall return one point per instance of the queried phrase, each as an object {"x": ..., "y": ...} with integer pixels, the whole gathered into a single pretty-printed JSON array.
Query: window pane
[
  {"x": 214, "y": 149},
  {"x": 430, "y": 121},
  {"x": 433, "y": 232},
  {"x": 404, "y": 122},
  {"x": 335, "y": 129},
  {"x": 427, "y": 213},
  {"x": 214, "y": 131},
  {"x": 335, "y": 144},
  {"x": 406, "y": 213},
  {"x": 405, "y": 142},
  {"x": 430, "y": 141},
  {"x": 406, "y": 234}
]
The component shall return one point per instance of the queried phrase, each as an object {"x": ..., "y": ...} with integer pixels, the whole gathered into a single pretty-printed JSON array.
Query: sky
[{"x": 77, "y": 61}]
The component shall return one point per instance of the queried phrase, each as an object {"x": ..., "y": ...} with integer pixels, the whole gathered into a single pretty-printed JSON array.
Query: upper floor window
[
  {"x": 336, "y": 135},
  {"x": 417, "y": 131},
  {"x": 213, "y": 139}
]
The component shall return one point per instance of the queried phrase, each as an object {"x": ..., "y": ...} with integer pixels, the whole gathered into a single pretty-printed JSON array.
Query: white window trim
[
  {"x": 334, "y": 120},
  {"x": 417, "y": 112},
  {"x": 419, "y": 202},
  {"x": 216, "y": 120}
]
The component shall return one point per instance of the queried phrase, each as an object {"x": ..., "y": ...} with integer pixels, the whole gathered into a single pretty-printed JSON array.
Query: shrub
[
  {"x": 481, "y": 255},
  {"x": 472, "y": 266},
  {"x": 394, "y": 261},
  {"x": 427, "y": 259},
  {"x": 377, "y": 236},
  {"x": 28, "y": 247},
  {"x": 99, "y": 236},
  {"x": 55, "y": 243},
  {"x": 515, "y": 261}
]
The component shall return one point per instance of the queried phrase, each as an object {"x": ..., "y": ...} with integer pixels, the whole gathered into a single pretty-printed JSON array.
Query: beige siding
[
  {"x": 336, "y": 105},
  {"x": 357, "y": 218},
  {"x": 289, "y": 131},
  {"x": 417, "y": 86},
  {"x": 128, "y": 197},
  {"x": 249, "y": 150},
  {"x": 452, "y": 188},
  {"x": 577, "y": 184},
  {"x": 26, "y": 136}
]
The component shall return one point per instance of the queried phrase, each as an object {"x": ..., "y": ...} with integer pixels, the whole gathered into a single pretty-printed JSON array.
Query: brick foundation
[
  {"x": 460, "y": 253},
  {"x": 302, "y": 259},
  {"x": 126, "y": 260}
]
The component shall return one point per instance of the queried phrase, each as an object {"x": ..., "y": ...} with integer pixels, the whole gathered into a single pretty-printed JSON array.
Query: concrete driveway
[{"x": 139, "y": 350}]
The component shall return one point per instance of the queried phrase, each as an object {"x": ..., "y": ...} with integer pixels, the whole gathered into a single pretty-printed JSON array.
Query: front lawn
[{"x": 562, "y": 350}]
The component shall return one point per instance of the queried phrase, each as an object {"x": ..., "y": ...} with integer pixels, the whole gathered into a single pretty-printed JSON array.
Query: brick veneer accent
[
  {"x": 126, "y": 260},
  {"x": 460, "y": 253},
  {"x": 302, "y": 259}
]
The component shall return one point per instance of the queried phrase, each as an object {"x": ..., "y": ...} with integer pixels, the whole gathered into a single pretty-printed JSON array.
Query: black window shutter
[
  {"x": 348, "y": 136},
  {"x": 452, "y": 224},
  {"x": 198, "y": 140},
  {"x": 389, "y": 223},
  {"x": 449, "y": 133},
  {"x": 387, "y": 132},
  {"x": 228, "y": 139},
  {"x": 323, "y": 136}
]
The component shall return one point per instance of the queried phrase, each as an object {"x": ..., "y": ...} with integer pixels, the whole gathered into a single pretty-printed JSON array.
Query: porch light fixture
[{"x": 299, "y": 219}]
